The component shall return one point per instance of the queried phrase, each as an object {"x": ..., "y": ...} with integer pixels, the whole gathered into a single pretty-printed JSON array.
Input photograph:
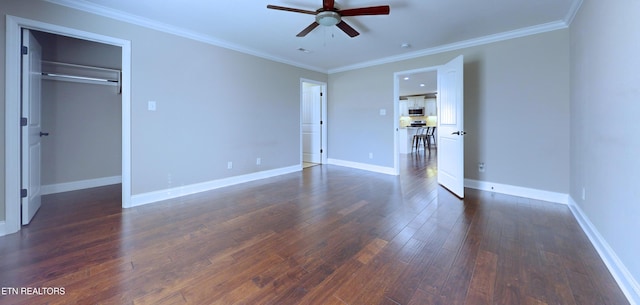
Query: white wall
[
  {"x": 516, "y": 111},
  {"x": 84, "y": 126},
  {"x": 605, "y": 145}
]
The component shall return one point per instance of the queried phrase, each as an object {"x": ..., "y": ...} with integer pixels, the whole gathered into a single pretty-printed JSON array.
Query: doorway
[
  {"x": 313, "y": 129},
  {"x": 415, "y": 94},
  {"x": 81, "y": 114},
  {"x": 13, "y": 175}
]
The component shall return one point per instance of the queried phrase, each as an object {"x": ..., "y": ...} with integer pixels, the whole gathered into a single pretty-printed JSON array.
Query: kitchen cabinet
[
  {"x": 416, "y": 101},
  {"x": 404, "y": 108},
  {"x": 430, "y": 107}
]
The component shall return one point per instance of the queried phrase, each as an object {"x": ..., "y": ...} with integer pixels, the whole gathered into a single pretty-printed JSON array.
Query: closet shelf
[{"x": 52, "y": 70}]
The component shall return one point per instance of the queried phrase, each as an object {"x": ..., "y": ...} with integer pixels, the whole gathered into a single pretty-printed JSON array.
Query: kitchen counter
[{"x": 406, "y": 137}]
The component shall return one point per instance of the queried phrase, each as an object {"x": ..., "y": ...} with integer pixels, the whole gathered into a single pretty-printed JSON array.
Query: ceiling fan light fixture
[{"x": 328, "y": 18}]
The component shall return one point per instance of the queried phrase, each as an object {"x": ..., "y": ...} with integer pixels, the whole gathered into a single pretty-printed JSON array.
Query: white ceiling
[
  {"x": 428, "y": 26},
  {"x": 417, "y": 83}
]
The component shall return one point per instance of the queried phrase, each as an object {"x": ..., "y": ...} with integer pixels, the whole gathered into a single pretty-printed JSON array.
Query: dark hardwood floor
[{"x": 326, "y": 235}]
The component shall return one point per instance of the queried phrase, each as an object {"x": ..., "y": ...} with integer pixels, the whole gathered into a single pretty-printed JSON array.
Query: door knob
[
  {"x": 44, "y": 134},
  {"x": 460, "y": 133}
]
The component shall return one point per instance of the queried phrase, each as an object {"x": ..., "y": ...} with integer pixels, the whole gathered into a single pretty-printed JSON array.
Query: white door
[
  {"x": 311, "y": 123},
  {"x": 31, "y": 148},
  {"x": 451, "y": 126}
]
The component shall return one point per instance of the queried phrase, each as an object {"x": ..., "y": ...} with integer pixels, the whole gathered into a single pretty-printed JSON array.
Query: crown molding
[
  {"x": 575, "y": 7},
  {"x": 92, "y": 8},
  {"x": 537, "y": 29}
]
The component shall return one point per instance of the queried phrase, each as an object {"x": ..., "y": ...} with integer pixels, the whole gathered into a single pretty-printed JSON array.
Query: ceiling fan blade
[
  {"x": 289, "y": 9},
  {"x": 328, "y": 5},
  {"x": 308, "y": 29},
  {"x": 373, "y": 10},
  {"x": 347, "y": 29}
]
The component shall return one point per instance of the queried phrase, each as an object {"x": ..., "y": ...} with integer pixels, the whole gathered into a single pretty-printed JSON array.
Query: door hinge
[
  {"x": 23, "y": 122},
  {"x": 321, "y": 151},
  {"x": 23, "y": 193},
  {"x": 320, "y": 122},
  {"x": 321, "y": 93},
  {"x": 25, "y": 50}
]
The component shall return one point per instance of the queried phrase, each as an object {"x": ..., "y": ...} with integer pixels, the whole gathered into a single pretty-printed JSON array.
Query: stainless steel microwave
[{"x": 416, "y": 111}]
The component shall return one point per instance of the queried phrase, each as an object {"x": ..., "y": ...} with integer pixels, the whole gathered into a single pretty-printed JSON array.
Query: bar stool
[
  {"x": 417, "y": 138},
  {"x": 430, "y": 136}
]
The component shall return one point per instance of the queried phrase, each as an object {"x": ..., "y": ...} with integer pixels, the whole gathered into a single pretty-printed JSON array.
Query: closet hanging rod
[
  {"x": 66, "y": 72},
  {"x": 79, "y": 77}
]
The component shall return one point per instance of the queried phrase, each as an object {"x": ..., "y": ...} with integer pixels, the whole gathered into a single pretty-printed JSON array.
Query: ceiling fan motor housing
[{"x": 328, "y": 18}]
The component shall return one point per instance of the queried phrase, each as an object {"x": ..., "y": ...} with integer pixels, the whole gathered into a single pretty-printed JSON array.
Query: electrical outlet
[
  {"x": 370, "y": 155},
  {"x": 229, "y": 165},
  {"x": 481, "y": 167},
  {"x": 151, "y": 106},
  {"x": 258, "y": 161}
]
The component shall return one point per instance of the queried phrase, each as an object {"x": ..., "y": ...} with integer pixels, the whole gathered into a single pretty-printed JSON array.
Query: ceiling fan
[{"x": 329, "y": 15}]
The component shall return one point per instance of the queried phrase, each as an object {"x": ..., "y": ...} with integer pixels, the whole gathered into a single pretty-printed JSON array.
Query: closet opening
[{"x": 80, "y": 115}]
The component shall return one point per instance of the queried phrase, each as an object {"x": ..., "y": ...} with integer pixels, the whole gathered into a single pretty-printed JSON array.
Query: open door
[
  {"x": 312, "y": 123},
  {"x": 451, "y": 126},
  {"x": 31, "y": 125}
]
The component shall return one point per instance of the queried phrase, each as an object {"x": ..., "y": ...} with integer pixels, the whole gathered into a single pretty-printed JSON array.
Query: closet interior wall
[{"x": 84, "y": 121}]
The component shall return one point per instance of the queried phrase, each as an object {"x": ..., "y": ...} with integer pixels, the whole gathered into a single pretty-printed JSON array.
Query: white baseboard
[
  {"x": 146, "y": 198},
  {"x": 363, "y": 166},
  {"x": 621, "y": 274},
  {"x": 517, "y": 191},
  {"x": 79, "y": 185}
]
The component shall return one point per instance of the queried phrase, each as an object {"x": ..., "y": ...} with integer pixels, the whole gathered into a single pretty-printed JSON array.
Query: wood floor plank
[
  {"x": 459, "y": 278},
  {"x": 325, "y": 290},
  {"x": 437, "y": 272},
  {"x": 419, "y": 267},
  {"x": 556, "y": 276},
  {"x": 481, "y": 288},
  {"x": 509, "y": 285},
  {"x": 375, "y": 292},
  {"x": 324, "y": 235},
  {"x": 421, "y": 297}
]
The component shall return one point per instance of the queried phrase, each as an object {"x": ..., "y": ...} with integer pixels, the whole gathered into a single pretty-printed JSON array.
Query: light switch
[
  {"x": 383, "y": 111},
  {"x": 152, "y": 106}
]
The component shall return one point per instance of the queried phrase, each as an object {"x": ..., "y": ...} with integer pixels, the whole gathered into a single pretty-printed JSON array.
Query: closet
[{"x": 81, "y": 113}]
